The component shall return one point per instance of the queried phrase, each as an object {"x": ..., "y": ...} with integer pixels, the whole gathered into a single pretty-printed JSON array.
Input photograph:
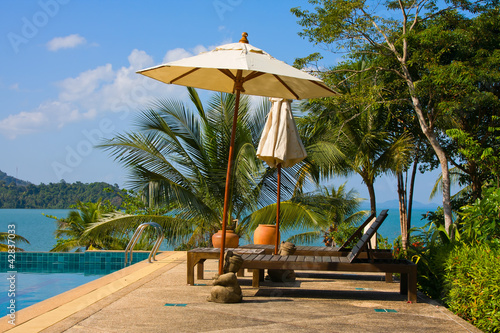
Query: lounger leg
[
  {"x": 199, "y": 269},
  {"x": 256, "y": 277},
  {"x": 403, "y": 285},
  {"x": 412, "y": 285},
  {"x": 190, "y": 269}
]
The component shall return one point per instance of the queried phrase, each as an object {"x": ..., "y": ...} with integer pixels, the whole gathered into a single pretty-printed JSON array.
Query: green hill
[
  {"x": 16, "y": 193},
  {"x": 5, "y": 178}
]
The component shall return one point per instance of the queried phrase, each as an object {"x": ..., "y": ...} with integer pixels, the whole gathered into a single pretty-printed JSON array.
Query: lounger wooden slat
[{"x": 327, "y": 259}]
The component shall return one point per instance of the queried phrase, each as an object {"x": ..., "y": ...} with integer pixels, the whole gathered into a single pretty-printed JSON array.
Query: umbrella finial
[{"x": 244, "y": 38}]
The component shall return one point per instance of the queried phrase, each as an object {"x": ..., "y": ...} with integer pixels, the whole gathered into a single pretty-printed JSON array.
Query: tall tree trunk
[
  {"x": 432, "y": 137},
  {"x": 371, "y": 193},
  {"x": 412, "y": 188},
  {"x": 403, "y": 217},
  {"x": 373, "y": 210},
  {"x": 426, "y": 129}
]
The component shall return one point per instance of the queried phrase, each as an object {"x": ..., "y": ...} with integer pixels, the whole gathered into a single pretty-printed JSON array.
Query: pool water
[
  {"x": 31, "y": 288},
  {"x": 37, "y": 276}
]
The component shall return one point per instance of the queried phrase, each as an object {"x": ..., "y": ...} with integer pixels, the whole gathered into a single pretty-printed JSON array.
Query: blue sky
[{"x": 67, "y": 76}]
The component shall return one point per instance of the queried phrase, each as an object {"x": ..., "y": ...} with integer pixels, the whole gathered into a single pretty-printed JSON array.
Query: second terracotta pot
[{"x": 265, "y": 234}]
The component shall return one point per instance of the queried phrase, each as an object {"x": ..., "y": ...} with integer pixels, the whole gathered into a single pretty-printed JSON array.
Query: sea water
[{"x": 40, "y": 230}]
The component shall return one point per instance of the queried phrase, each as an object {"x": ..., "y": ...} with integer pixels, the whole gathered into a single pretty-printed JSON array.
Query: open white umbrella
[
  {"x": 239, "y": 68},
  {"x": 280, "y": 146}
]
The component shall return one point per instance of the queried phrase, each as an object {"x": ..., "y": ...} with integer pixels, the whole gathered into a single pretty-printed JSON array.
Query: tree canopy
[{"x": 21, "y": 194}]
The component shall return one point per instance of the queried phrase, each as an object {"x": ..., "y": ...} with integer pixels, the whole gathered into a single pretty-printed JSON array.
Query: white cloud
[
  {"x": 86, "y": 83},
  {"x": 67, "y": 42},
  {"x": 179, "y": 53},
  {"x": 14, "y": 86},
  {"x": 48, "y": 115},
  {"x": 95, "y": 92},
  {"x": 176, "y": 54}
]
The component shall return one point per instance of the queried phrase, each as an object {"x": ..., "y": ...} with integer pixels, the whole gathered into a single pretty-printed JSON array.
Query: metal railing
[{"x": 137, "y": 235}]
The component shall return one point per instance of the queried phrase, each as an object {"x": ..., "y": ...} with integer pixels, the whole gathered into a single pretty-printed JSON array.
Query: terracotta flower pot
[
  {"x": 265, "y": 234},
  {"x": 232, "y": 239}
]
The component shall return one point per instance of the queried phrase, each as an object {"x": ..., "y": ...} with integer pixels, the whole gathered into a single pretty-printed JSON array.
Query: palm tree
[
  {"x": 350, "y": 134},
  {"x": 7, "y": 239},
  {"x": 182, "y": 153},
  {"x": 341, "y": 215},
  {"x": 71, "y": 231}
]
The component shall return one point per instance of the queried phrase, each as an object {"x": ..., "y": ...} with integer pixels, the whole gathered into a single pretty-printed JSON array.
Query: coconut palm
[
  {"x": 351, "y": 133},
  {"x": 7, "y": 239},
  {"x": 340, "y": 211},
  {"x": 181, "y": 153},
  {"x": 71, "y": 231}
]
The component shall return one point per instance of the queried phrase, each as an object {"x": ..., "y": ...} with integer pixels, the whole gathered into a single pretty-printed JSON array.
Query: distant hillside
[
  {"x": 16, "y": 193},
  {"x": 5, "y": 178},
  {"x": 394, "y": 204}
]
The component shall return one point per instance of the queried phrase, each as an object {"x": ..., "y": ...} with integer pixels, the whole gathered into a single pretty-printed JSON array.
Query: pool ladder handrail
[{"x": 135, "y": 238}]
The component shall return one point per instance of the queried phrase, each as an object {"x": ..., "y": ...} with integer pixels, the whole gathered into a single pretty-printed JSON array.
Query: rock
[
  {"x": 226, "y": 289},
  {"x": 286, "y": 249},
  {"x": 232, "y": 262}
]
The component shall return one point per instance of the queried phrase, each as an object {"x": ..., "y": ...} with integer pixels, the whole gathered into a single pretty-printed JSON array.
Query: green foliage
[
  {"x": 178, "y": 160},
  {"x": 14, "y": 239},
  {"x": 472, "y": 285},
  {"x": 481, "y": 220},
  {"x": 431, "y": 265},
  {"x": 19, "y": 194},
  {"x": 430, "y": 247},
  {"x": 72, "y": 231},
  {"x": 484, "y": 155},
  {"x": 137, "y": 203},
  {"x": 337, "y": 210}
]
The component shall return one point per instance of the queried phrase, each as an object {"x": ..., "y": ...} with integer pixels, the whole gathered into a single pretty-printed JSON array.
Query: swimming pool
[{"x": 36, "y": 276}]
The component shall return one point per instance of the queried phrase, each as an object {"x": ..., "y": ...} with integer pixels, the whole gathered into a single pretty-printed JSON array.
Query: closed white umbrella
[
  {"x": 239, "y": 68},
  {"x": 280, "y": 145}
]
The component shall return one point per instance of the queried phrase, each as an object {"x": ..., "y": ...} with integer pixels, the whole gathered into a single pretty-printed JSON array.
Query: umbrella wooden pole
[
  {"x": 228, "y": 180},
  {"x": 276, "y": 246}
]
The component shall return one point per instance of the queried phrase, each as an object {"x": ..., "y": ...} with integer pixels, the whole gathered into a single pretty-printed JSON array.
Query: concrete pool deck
[{"x": 155, "y": 298}]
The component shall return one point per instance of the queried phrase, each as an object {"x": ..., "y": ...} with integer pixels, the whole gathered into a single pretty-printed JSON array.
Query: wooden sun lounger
[
  {"x": 349, "y": 263},
  {"x": 197, "y": 257},
  {"x": 335, "y": 251},
  {"x": 332, "y": 251}
]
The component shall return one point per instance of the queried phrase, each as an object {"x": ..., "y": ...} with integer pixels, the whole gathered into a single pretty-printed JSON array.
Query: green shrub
[
  {"x": 481, "y": 220},
  {"x": 472, "y": 285},
  {"x": 431, "y": 266}
]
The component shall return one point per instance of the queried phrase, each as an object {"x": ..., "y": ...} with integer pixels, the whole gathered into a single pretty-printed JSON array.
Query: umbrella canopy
[
  {"x": 261, "y": 74},
  {"x": 239, "y": 68},
  {"x": 280, "y": 145}
]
